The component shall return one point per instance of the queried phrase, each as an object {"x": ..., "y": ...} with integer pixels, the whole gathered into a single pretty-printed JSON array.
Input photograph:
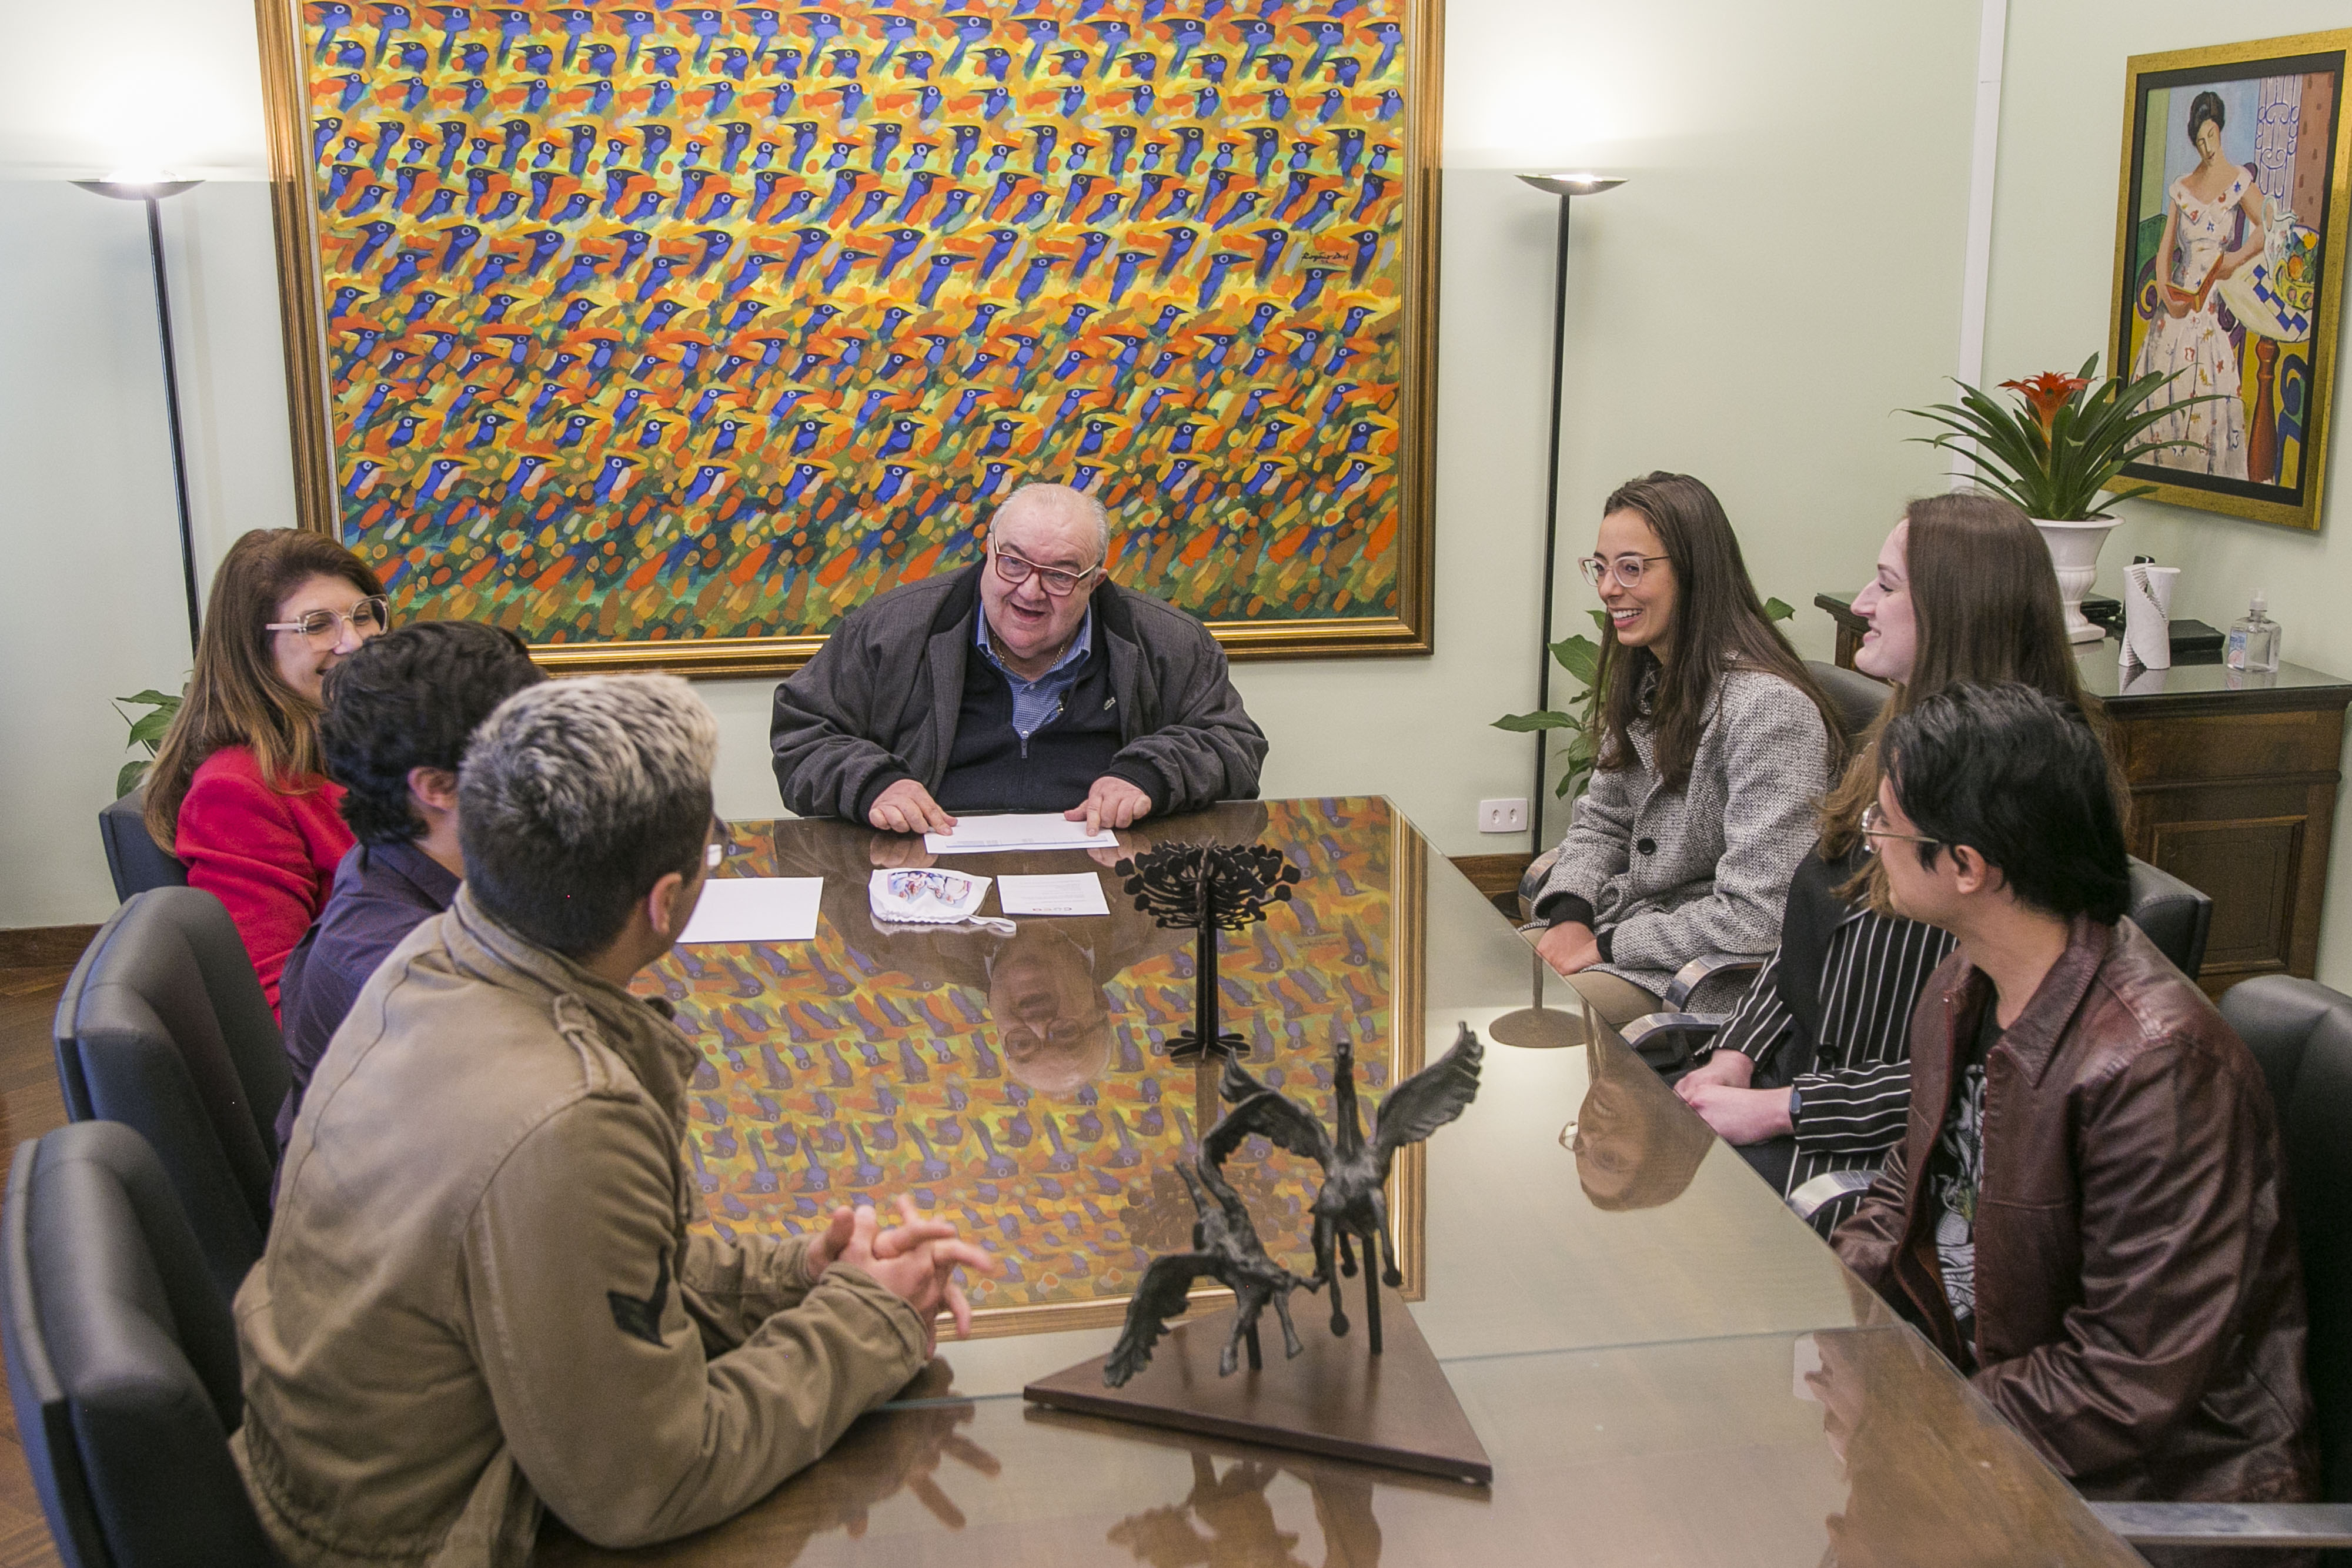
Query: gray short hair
[
  {"x": 577, "y": 796},
  {"x": 1063, "y": 498}
]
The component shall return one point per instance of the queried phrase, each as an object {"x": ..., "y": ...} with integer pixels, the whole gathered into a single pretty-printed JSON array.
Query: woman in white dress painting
[{"x": 2186, "y": 339}]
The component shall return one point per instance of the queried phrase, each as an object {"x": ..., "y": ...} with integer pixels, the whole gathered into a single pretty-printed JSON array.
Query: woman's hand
[
  {"x": 1726, "y": 1069},
  {"x": 1741, "y": 1115},
  {"x": 1570, "y": 946}
]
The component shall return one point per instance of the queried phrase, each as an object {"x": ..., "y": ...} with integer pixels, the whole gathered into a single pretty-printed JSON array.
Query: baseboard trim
[{"x": 43, "y": 946}]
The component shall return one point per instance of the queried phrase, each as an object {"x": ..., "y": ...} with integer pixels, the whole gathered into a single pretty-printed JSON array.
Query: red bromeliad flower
[{"x": 2048, "y": 392}]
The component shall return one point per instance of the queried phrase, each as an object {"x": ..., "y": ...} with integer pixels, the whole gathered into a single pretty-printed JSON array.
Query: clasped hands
[
  {"x": 1718, "y": 1090},
  {"x": 915, "y": 1261},
  {"x": 905, "y": 807}
]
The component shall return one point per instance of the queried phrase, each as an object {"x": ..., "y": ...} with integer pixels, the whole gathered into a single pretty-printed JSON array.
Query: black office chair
[
  {"x": 121, "y": 1359},
  {"x": 137, "y": 861},
  {"x": 2300, "y": 1033},
  {"x": 2171, "y": 914},
  {"x": 163, "y": 1027}
]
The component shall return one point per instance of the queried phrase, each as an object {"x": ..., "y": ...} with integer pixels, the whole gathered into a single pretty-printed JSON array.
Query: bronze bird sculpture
[
  {"x": 1226, "y": 1249},
  {"x": 1351, "y": 1206}
]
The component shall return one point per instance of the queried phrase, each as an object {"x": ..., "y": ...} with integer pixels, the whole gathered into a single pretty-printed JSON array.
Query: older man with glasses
[{"x": 1028, "y": 682}]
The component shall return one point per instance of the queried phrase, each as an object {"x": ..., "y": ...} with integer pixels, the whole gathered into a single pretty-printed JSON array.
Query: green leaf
[
  {"x": 127, "y": 779},
  {"x": 1580, "y": 656},
  {"x": 1775, "y": 610},
  {"x": 151, "y": 697},
  {"x": 150, "y": 731},
  {"x": 1526, "y": 723}
]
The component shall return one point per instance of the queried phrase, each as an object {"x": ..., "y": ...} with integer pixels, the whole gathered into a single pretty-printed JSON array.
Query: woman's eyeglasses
[
  {"x": 1871, "y": 831},
  {"x": 1626, "y": 569},
  {"x": 324, "y": 627},
  {"x": 1059, "y": 583}
]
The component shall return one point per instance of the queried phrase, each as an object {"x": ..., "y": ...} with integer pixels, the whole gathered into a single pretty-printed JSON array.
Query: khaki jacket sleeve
[
  {"x": 730, "y": 1290},
  {"x": 2169, "y": 1183},
  {"x": 625, "y": 1428}
]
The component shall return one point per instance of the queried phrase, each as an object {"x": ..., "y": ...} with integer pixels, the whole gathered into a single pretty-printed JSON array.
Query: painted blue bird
[
  {"x": 873, "y": 204},
  {"x": 901, "y": 438},
  {"x": 1244, "y": 206},
  {"x": 1033, "y": 207},
  {"x": 403, "y": 430},
  {"x": 578, "y": 275},
  {"x": 725, "y": 440},
  {"x": 844, "y": 184},
  {"x": 576, "y": 430},
  {"x": 935, "y": 276},
  {"x": 709, "y": 479},
  {"x": 1181, "y": 241},
  {"x": 716, "y": 242},
  {"x": 1033, "y": 278},
  {"x": 540, "y": 405},
  {"x": 363, "y": 479},
  {"x": 982, "y": 316},
  {"x": 379, "y": 233},
  {"x": 1188, "y": 139},
  {"x": 375, "y": 401},
  {"x": 615, "y": 469},
  {"x": 843, "y": 261},
  {"x": 1025, "y": 348},
  {"x": 659, "y": 316},
  {"x": 426, "y": 299},
  {"x": 658, "y": 273},
  {"x": 651, "y": 434},
  {"x": 402, "y": 272},
  {"x": 804, "y": 475},
  {"x": 1374, "y": 188},
  {"x": 810, "y": 241}
]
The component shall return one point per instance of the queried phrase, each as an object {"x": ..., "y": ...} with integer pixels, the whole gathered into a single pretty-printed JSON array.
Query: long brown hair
[
  {"x": 1985, "y": 596},
  {"x": 1719, "y": 626},
  {"x": 237, "y": 697}
]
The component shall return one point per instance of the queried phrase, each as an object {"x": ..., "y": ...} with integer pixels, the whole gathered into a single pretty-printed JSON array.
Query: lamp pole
[
  {"x": 152, "y": 191},
  {"x": 1567, "y": 187}
]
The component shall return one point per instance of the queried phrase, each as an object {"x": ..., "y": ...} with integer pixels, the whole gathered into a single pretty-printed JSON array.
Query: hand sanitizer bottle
[{"x": 2253, "y": 643}]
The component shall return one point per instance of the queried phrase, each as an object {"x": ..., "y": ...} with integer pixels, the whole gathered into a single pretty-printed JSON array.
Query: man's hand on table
[
  {"x": 1111, "y": 803},
  {"x": 906, "y": 807},
  {"x": 915, "y": 1261}
]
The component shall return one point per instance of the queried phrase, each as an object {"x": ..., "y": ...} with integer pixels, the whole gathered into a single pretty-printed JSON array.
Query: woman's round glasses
[
  {"x": 1059, "y": 583},
  {"x": 324, "y": 627},
  {"x": 1871, "y": 831},
  {"x": 1626, "y": 569}
]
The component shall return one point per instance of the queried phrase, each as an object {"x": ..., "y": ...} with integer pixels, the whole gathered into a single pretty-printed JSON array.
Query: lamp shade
[
  {"x": 128, "y": 187},
  {"x": 1575, "y": 184}
]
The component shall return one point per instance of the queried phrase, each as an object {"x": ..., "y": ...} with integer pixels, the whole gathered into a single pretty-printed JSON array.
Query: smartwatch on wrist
[{"x": 1796, "y": 1103}]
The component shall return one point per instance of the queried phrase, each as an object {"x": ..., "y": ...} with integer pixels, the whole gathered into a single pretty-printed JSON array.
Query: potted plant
[
  {"x": 2055, "y": 452},
  {"x": 146, "y": 730}
]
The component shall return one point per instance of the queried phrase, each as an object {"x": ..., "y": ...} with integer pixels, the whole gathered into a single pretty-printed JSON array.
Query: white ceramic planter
[{"x": 2075, "y": 551}]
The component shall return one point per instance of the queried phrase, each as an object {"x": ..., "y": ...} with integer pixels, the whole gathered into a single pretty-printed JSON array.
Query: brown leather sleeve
[
  {"x": 1869, "y": 1237},
  {"x": 2169, "y": 1172}
]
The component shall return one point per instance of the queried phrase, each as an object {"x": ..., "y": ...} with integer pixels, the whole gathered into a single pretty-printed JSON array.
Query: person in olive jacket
[
  {"x": 1029, "y": 682},
  {"x": 481, "y": 1298},
  {"x": 2088, "y": 1215}
]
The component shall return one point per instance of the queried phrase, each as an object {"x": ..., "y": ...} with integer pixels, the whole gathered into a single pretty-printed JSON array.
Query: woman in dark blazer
[{"x": 1813, "y": 1074}]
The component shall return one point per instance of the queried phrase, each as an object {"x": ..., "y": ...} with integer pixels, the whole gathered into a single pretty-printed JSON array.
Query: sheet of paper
[
  {"x": 1078, "y": 895},
  {"x": 756, "y": 909},
  {"x": 998, "y": 835}
]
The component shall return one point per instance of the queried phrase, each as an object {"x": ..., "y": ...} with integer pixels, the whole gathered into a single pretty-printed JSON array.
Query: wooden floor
[{"x": 29, "y": 1106}]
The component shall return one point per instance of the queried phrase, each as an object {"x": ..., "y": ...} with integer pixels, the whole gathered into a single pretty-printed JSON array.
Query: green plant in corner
[
  {"x": 146, "y": 729},
  {"x": 1580, "y": 657},
  {"x": 2068, "y": 441}
]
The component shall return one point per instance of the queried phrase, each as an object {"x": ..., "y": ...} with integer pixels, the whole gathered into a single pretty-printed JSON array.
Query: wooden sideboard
[{"x": 2234, "y": 779}]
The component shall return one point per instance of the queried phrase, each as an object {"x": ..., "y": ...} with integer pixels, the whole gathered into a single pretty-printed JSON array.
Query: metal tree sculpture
[
  {"x": 1210, "y": 888},
  {"x": 1351, "y": 1202}
]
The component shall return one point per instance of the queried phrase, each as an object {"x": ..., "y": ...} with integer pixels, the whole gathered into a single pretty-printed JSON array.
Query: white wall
[
  {"x": 2054, "y": 254},
  {"x": 1782, "y": 270}
]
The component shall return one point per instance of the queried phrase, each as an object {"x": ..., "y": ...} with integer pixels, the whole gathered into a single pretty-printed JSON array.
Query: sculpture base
[{"x": 1395, "y": 1409}]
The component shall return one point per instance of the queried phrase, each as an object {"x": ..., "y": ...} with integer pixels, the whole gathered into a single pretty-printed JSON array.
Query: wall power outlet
[{"x": 1502, "y": 816}]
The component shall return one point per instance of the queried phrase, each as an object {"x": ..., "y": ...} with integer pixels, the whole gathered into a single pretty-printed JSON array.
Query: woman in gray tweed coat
[{"x": 1715, "y": 747}]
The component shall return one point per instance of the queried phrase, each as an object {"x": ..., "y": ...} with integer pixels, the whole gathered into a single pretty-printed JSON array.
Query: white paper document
[
  {"x": 756, "y": 909},
  {"x": 998, "y": 835},
  {"x": 1078, "y": 895}
]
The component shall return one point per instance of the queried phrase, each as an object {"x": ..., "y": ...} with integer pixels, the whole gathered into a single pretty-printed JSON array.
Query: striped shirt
[{"x": 1854, "y": 1095}]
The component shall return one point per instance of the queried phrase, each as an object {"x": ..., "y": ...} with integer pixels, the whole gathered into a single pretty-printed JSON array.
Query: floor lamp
[
  {"x": 1537, "y": 1027},
  {"x": 1567, "y": 187},
  {"x": 152, "y": 190}
]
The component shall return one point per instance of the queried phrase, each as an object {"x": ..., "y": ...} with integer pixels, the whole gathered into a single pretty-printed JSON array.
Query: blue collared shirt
[{"x": 1036, "y": 704}]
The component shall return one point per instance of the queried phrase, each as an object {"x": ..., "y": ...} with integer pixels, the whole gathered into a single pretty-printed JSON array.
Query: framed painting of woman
[{"x": 2228, "y": 241}]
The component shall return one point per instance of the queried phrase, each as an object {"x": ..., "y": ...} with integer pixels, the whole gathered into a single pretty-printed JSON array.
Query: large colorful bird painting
[{"x": 673, "y": 322}]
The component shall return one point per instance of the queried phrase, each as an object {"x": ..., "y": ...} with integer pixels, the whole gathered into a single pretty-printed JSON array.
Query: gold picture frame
[
  {"x": 2228, "y": 262},
  {"x": 590, "y": 493}
]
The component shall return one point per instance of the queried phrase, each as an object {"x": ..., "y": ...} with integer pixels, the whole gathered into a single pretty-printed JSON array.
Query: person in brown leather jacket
[
  {"x": 2087, "y": 1214},
  {"x": 482, "y": 1296}
]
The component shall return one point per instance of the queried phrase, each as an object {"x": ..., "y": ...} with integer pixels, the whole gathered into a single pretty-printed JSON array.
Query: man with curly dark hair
[{"x": 395, "y": 729}]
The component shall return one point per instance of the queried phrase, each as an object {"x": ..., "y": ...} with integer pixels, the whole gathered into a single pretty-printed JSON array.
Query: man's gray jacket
[{"x": 879, "y": 701}]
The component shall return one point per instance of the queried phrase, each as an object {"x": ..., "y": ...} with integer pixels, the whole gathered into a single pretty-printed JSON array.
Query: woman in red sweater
[{"x": 236, "y": 791}]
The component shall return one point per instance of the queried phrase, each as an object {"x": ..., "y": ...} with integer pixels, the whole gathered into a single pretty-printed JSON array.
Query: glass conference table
[{"x": 1664, "y": 1364}]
